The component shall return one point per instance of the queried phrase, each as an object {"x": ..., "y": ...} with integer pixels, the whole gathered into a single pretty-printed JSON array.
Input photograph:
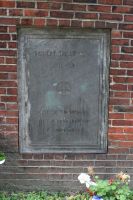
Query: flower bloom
[
  {"x": 2, "y": 161},
  {"x": 123, "y": 177},
  {"x": 85, "y": 179},
  {"x": 111, "y": 181}
]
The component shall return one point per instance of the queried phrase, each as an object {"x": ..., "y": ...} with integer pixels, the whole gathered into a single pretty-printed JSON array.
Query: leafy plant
[
  {"x": 42, "y": 196},
  {"x": 112, "y": 189},
  {"x": 2, "y": 156}
]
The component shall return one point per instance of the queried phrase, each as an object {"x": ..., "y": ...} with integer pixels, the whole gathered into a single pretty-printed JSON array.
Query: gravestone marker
[{"x": 63, "y": 89}]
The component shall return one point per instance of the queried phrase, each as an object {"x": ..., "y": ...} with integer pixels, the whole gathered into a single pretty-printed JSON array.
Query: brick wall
[{"x": 54, "y": 171}]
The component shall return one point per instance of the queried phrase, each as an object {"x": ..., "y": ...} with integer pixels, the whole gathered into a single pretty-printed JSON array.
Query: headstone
[{"x": 63, "y": 90}]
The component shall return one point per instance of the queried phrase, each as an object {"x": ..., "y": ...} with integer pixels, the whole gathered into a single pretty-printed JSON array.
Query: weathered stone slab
[{"x": 63, "y": 89}]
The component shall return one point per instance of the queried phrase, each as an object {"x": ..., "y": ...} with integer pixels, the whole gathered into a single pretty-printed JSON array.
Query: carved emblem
[{"x": 63, "y": 88}]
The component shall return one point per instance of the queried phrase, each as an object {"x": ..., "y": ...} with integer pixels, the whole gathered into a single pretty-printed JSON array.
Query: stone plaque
[{"x": 63, "y": 89}]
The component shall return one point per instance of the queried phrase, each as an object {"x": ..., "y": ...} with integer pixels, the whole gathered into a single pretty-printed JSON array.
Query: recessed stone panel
[{"x": 63, "y": 89}]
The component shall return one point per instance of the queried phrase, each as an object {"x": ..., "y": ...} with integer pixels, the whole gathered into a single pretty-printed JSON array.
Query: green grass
[{"x": 42, "y": 196}]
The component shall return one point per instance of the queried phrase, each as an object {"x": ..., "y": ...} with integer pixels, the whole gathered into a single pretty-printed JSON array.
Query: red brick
[
  {"x": 111, "y": 25},
  {"x": 118, "y": 87},
  {"x": 7, "y": 4},
  {"x": 38, "y": 156},
  {"x": 51, "y": 22},
  {"x": 3, "y": 12},
  {"x": 12, "y": 120},
  {"x": 27, "y": 156},
  {"x": 43, "y": 5},
  {"x": 126, "y": 57},
  {"x": 12, "y": 21},
  {"x": 11, "y": 60},
  {"x": 8, "y": 68},
  {"x": 128, "y": 2},
  {"x": 112, "y": 17},
  {"x": 115, "y": 101},
  {"x": 128, "y": 115},
  {"x": 8, "y": 53},
  {"x": 12, "y": 29},
  {"x": 86, "y": 15},
  {"x": 2, "y": 44},
  {"x": 39, "y": 22},
  {"x": 4, "y": 37},
  {"x": 16, "y": 12},
  {"x": 116, "y": 34},
  {"x": 126, "y": 144},
  {"x": 117, "y": 150},
  {"x": 122, "y": 122},
  {"x": 116, "y": 116},
  {"x": 128, "y": 34},
  {"x": 122, "y": 94},
  {"x": 117, "y": 136},
  {"x": 3, "y": 76},
  {"x": 115, "y": 49},
  {"x": 111, "y": 2},
  {"x": 116, "y": 129},
  {"x": 99, "y": 8},
  {"x": 25, "y": 4},
  {"x": 3, "y": 29},
  {"x": 130, "y": 72},
  {"x": 12, "y": 91},
  {"x": 2, "y": 119},
  {"x": 12, "y": 106},
  {"x": 123, "y": 79},
  {"x": 114, "y": 64},
  {"x": 48, "y": 156},
  {"x": 12, "y": 76},
  {"x": 64, "y": 23},
  {"x": 130, "y": 87},
  {"x": 128, "y": 129},
  {"x": 131, "y": 94},
  {"x": 48, "y": 5},
  {"x": 85, "y": 1},
  {"x": 120, "y": 42},
  {"x": 60, "y": 14},
  {"x": 14, "y": 36},
  {"x": 100, "y": 24},
  {"x": 1, "y": 60},
  {"x": 12, "y": 113},
  {"x": 8, "y": 84},
  {"x": 2, "y": 106},
  {"x": 117, "y": 72},
  {"x": 89, "y": 24},
  {"x": 2, "y": 90},
  {"x": 105, "y": 163},
  {"x": 120, "y": 9},
  {"x": 126, "y": 64},
  {"x": 59, "y": 156},
  {"x": 35, "y": 13},
  {"x": 27, "y": 21},
  {"x": 8, "y": 98},
  {"x": 127, "y": 49},
  {"x": 76, "y": 7},
  {"x": 128, "y": 18},
  {"x": 126, "y": 26},
  {"x": 12, "y": 45},
  {"x": 76, "y": 23}
]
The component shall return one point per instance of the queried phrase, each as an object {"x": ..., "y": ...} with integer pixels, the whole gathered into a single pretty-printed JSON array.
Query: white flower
[
  {"x": 2, "y": 161},
  {"x": 83, "y": 178}
]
